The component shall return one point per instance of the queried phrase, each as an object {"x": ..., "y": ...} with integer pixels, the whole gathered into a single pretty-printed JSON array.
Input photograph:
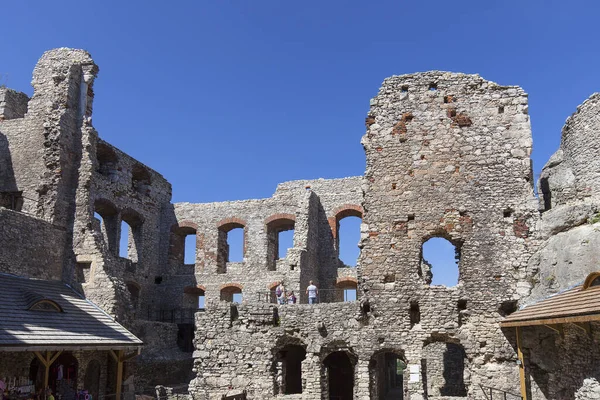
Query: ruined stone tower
[{"x": 448, "y": 156}]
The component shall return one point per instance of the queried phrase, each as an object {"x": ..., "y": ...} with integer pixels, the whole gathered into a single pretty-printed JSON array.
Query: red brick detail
[
  {"x": 373, "y": 234},
  {"x": 272, "y": 285},
  {"x": 348, "y": 210},
  {"x": 282, "y": 216},
  {"x": 184, "y": 224},
  {"x": 198, "y": 290},
  {"x": 346, "y": 281},
  {"x": 231, "y": 285},
  {"x": 520, "y": 228},
  {"x": 333, "y": 225},
  {"x": 228, "y": 224}
]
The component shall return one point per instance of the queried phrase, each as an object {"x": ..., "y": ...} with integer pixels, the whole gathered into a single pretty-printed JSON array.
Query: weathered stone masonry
[{"x": 448, "y": 155}]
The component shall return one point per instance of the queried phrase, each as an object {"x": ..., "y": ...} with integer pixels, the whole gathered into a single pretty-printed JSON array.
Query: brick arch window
[
  {"x": 106, "y": 223},
  {"x": 183, "y": 243},
  {"x": 131, "y": 235},
  {"x": 194, "y": 297},
  {"x": 440, "y": 259},
  {"x": 346, "y": 289},
  {"x": 345, "y": 228},
  {"x": 277, "y": 226},
  {"x": 224, "y": 244},
  {"x": 231, "y": 292}
]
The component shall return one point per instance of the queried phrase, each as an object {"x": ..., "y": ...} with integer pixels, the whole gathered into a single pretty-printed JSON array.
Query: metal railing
[
  {"x": 488, "y": 392},
  {"x": 174, "y": 315},
  {"x": 337, "y": 295}
]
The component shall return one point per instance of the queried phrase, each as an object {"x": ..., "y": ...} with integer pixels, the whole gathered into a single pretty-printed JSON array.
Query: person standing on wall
[
  {"x": 280, "y": 293},
  {"x": 312, "y": 293}
]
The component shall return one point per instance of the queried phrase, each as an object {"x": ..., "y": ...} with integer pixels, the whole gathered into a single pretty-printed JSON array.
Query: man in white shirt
[{"x": 312, "y": 293}]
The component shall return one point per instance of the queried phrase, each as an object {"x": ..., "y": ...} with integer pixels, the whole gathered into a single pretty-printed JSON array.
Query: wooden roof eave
[
  {"x": 73, "y": 347},
  {"x": 551, "y": 321}
]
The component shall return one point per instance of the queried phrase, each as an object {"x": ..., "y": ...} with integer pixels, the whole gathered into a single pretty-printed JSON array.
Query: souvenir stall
[{"x": 54, "y": 342}]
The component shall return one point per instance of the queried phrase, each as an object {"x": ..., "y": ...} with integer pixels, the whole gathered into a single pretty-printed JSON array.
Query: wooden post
[
  {"x": 120, "y": 358},
  {"x": 47, "y": 361},
  {"x": 522, "y": 365}
]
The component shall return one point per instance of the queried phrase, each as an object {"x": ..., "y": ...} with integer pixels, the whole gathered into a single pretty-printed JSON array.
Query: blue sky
[{"x": 228, "y": 98}]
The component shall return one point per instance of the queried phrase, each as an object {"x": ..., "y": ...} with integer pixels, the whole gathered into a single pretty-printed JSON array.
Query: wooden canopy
[
  {"x": 578, "y": 304},
  {"x": 40, "y": 315}
]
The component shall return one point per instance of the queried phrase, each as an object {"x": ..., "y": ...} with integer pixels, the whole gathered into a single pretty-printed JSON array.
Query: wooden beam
[
  {"x": 114, "y": 355},
  {"x": 550, "y": 321},
  {"x": 58, "y": 353},
  {"x": 555, "y": 329},
  {"x": 119, "y": 373},
  {"x": 522, "y": 365},
  {"x": 584, "y": 326}
]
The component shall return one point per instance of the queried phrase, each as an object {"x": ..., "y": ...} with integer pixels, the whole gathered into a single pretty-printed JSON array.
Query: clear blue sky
[{"x": 228, "y": 98}]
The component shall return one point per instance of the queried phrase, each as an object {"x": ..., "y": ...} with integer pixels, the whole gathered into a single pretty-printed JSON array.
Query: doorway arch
[{"x": 339, "y": 375}]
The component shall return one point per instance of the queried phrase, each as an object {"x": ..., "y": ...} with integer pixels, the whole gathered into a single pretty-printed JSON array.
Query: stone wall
[{"x": 30, "y": 246}]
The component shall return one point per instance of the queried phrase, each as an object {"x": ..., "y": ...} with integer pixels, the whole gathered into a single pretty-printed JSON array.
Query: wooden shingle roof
[
  {"x": 578, "y": 304},
  {"x": 80, "y": 325}
]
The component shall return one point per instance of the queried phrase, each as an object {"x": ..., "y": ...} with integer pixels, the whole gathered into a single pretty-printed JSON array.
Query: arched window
[
  {"x": 131, "y": 235},
  {"x": 232, "y": 292},
  {"x": 440, "y": 262},
  {"x": 345, "y": 227},
  {"x": 46, "y": 305},
  {"x": 280, "y": 237},
  {"x": 183, "y": 247},
  {"x": 592, "y": 280},
  {"x": 107, "y": 160},
  {"x": 106, "y": 223},
  {"x": 194, "y": 297},
  {"x": 231, "y": 242},
  {"x": 140, "y": 179},
  {"x": 340, "y": 375},
  {"x": 386, "y": 374},
  {"x": 345, "y": 289}
]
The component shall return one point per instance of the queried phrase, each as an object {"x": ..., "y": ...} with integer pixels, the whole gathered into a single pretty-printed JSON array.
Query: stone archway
[
  {"x": 339, "y": 375},
  {"x": 386, "y": 375},
  {"x": 91, "y": 381}
]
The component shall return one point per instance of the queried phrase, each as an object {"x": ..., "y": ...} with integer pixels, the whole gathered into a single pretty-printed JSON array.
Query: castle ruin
[{"x": 448, "y": 156}]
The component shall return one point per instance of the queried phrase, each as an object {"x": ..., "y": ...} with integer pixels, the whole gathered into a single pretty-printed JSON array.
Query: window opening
[
  {"x": 349, "y": 294},
  {"x": 232, "y": 294},
  {"x": 415, "y": 313},
  {"x": 433, "y": 86},
  {"x": 439, "y": 263},
  {"x": 286, "y": 242},
  {"x": 131, "y": 235},
  {"x": 107, "y": 160},
  {"x": 189, "y": 255},
  {"x": 291, "y": 357},
  {"x": 546, "y": 193},
  {"x": 235, "y": 244},
  {"x": 83, "y": 272},
  {"x": 106, "y": 223},
  {"x": 348, "y": 238},
  {"x": 140, "y": 179},
  {"x": 280, "y": 238},
  {"x": 340, "y": 375},
  {"x": 386, "y": 371},
  {"x": 231, "y": 245}
]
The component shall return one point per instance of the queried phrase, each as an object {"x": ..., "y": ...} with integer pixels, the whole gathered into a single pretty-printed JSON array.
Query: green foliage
[{"x": 594, "y": 219}]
